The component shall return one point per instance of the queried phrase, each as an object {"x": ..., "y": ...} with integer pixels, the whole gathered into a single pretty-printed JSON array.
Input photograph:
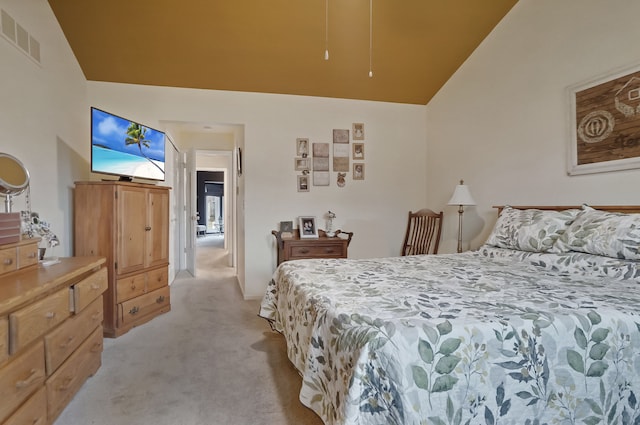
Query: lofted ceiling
[{"x": 278, "y": 46}]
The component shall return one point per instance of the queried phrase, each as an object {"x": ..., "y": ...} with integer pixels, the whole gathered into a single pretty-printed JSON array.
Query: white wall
[
  {"x": 44, "y": 118},
  {"x": 375, "y": 209},
  {"x": 501, "y": 121}
]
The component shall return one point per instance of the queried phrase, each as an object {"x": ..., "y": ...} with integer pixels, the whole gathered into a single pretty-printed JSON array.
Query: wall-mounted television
[{"x": 125, "y": 148}]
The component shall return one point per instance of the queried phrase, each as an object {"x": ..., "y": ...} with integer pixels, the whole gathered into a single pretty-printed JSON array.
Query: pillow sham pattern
[
  {"x": 598, "y": 232},
  {"x": 531, "y": 230}
]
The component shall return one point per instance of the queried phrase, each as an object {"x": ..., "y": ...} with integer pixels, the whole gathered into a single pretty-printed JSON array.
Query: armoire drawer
[
  {"x": 20, "y": 378},
  {"x": 131, "y": 310},
  {"x": 36, "y": 319},
  {"x": 64, "y": 340},
  {"x": 157, "y": 279},
  {"x": 130, "y": 287}
]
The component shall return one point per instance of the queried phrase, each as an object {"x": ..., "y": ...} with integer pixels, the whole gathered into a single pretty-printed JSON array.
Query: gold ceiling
[{"x": 278, "y": 46}]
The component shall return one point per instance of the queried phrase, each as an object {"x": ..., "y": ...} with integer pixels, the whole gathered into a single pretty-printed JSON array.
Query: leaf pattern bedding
[{"x": 485, "y": 337}]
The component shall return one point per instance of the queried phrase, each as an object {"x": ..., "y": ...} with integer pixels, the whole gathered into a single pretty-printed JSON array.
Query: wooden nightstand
[{"x": 294, "y": 248}]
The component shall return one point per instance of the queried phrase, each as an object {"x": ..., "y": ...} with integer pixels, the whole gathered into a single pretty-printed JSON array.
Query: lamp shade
[{"x": 461, "y": 195}]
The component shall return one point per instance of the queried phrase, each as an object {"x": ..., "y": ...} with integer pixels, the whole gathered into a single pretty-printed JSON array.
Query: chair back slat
[{"x": 423, "y": 232}]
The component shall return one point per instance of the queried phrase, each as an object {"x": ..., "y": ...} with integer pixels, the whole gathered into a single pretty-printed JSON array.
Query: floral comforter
[{"x": 486, "y": 337}]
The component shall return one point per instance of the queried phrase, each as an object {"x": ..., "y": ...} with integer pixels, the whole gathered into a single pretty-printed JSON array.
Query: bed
[{"x": 540, "y": 325}]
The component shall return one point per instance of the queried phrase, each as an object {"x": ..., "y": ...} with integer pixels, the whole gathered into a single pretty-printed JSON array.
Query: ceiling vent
[{"x": 19, "y": 36}]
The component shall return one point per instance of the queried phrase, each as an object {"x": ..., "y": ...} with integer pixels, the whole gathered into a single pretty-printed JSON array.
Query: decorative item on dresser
[
  {"x": 322, "y": 247},
  {"x": 128, "y": 223},
  {"x": 50, "y": 333}
]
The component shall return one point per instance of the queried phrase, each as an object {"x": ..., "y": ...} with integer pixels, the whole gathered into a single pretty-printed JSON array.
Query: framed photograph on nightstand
[{"x": 307, "y": 227}]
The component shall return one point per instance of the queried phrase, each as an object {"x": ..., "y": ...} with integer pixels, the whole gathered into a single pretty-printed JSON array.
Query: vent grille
[{"x": 17, "y": 35}]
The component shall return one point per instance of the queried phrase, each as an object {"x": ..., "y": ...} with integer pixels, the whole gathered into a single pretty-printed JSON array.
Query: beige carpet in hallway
[{"x": 210, "y": 360}]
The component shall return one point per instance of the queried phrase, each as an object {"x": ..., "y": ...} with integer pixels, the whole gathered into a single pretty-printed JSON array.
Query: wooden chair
[{"x": 423, "y": 232}]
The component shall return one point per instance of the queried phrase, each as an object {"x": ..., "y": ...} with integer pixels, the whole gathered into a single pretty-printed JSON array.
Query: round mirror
[{"x": 14, "y": 178}]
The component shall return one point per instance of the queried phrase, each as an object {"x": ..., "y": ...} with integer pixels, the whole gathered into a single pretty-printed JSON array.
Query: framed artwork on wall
[
  {"x": 307, "y": 227},
  {"x": 358, "y": 131},
  {"x": 303, "y": 183},
  {"x": 302, "y": 164},
  {"x": 604, "y": 123},
  {"x": 358, "y": 151},
  {"x": 358, "y": 171}
]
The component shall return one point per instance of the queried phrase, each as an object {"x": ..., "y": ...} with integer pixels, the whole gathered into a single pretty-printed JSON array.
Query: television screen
[{"x": 125, "y": 148}]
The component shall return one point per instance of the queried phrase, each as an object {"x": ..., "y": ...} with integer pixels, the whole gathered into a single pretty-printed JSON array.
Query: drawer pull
[
  {"x": 64, "y": 386},
  {"x": 134, "y": 310},
  {"x": 8, "y": 261},
  {"x": 133, "y": 286},
  {"x": 33, "y": 376},
  {"x": 329, "y": 250},
  {"x": 95, "y": 286},
  {"x": 147, "y": 229},
  {"x": 95, "y": 348},
  {"x": 160, "y": 299},
  {"x": 50, "y": 315},
  {"x": 95, "y": 317},
  {"x": 304, "y": 251},
  {"x": 66, "y": 344}
]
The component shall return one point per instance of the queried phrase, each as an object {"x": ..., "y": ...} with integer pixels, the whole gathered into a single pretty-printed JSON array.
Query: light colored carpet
[{"x": 210, "y": 360}]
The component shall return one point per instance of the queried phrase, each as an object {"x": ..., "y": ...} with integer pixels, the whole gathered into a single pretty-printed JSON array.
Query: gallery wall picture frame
[
  {"x": 604, "y": 123},
  {"x": 357, "y": 131},
  {"x": 302, "y": 147},
  {"x": 307, "y": 227},
  {"x": 358, "y": 171},
  {"x": 358, "y": 151},
  {"x": 301, "y": 164},
  {"x": 303, "y": 183}
]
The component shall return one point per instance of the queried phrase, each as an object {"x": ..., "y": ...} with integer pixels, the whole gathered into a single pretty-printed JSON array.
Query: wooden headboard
[{"x": 611, "y": 208}]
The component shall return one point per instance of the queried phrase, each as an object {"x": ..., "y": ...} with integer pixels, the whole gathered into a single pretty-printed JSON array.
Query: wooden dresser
[
  {"x": 50, "y": 333},
  {"x": 295, "y": 248},
  {"x": 128, "y": 223}
]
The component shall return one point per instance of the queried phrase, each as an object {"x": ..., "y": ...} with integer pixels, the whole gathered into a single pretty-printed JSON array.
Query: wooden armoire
[{"x": 128, "y": 223}]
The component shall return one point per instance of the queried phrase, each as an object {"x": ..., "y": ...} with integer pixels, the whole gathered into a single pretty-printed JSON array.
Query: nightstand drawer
[
  {"x": 27, "y": 255},
  {"x": 318, "y": 250},
  {"x": 33, "y": 321}
]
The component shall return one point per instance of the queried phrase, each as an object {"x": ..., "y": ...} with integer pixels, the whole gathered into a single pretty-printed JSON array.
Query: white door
[{"x": 190, "y": 203}]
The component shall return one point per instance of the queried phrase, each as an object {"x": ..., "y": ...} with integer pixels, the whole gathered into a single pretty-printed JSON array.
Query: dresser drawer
[
  {"x": 318, "y": 250},
  {"x": 63, "y": 341},
  {"x": 27, "y": 255},
  {"x": 32, "y": 412},
  {"x": 67, "y": 380},
  {"x": 20, "y": 378},
  {"x": 157, "y": 279},
  {"x": 130, "y": 287},
  {"x": 4, "y": 339},
  {"x": 87, "y": 290},
  {"x": 36, "y": 319},
  {"x": 8, "y": 260},
  {"x": 131, "y": 310}
]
